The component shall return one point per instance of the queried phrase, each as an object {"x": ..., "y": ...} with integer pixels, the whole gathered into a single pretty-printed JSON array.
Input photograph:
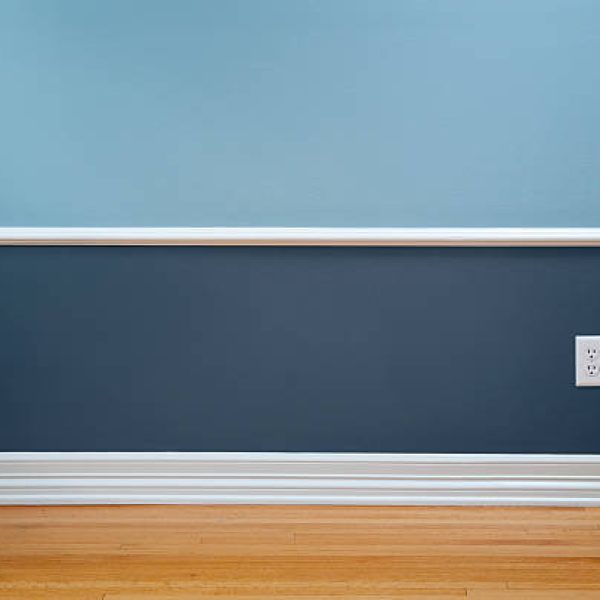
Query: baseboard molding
[
  {"x": 290, "y": 478},
  {"x": 301, "y": 236}
]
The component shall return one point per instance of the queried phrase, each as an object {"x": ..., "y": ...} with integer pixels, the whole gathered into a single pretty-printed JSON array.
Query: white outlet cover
[{"x": 587, "y": 361}]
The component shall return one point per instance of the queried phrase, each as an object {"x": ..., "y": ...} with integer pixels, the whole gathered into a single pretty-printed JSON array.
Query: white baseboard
[
  {"x": 290, "y": 478},
  {"x": 301, "y": 236}
]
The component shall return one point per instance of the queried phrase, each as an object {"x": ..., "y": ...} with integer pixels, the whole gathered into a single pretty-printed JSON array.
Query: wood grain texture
[{"x": 300, "y": 552}]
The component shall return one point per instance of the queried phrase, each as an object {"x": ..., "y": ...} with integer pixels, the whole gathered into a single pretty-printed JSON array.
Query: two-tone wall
[{"x": 299, "y": 114}]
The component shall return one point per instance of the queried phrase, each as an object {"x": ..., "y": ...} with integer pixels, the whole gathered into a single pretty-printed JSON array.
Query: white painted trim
[
  {"x": 301, "y": 236},
  {"x": 290, "y": 478}
]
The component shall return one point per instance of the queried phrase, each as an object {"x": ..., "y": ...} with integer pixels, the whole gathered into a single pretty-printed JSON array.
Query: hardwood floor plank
[
  {"x": 565, "y": 594},
  {"x": 50, "y": 594},
  {"x": 396, "y": 595}
]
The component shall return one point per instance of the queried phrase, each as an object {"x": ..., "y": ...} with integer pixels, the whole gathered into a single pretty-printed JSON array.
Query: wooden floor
[{"x": 189, "y": 552}]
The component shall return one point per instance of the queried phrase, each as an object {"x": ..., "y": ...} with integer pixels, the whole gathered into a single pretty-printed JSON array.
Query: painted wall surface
[
  {"x": 296, "y": 349},
  {"x": 304, "y": 112}
]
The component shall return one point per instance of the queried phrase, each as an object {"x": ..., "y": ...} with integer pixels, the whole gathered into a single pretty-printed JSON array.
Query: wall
[
  {"x": 310, "y": 113},
  {"x": 315, "y": 113},
  {"x": 297, "y": 349}
]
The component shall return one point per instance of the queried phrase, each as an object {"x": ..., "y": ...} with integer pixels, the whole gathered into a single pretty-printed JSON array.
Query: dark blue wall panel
[{"x": 296, "y": 349}]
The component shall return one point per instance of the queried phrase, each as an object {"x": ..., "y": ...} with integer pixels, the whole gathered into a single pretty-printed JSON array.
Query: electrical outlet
[{"x": 587, "y": 360}]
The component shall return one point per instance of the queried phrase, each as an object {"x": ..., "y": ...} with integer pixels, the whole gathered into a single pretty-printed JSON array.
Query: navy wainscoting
[{"x": 296, "y": 349}]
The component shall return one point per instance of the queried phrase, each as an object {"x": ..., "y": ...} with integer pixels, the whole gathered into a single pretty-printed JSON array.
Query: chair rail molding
[
  {"x": 302, "y": 236},
  {"x": 298, "y": 478}
]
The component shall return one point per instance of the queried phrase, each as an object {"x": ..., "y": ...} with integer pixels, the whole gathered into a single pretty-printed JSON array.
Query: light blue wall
[{"x": 300, "y": 112}]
